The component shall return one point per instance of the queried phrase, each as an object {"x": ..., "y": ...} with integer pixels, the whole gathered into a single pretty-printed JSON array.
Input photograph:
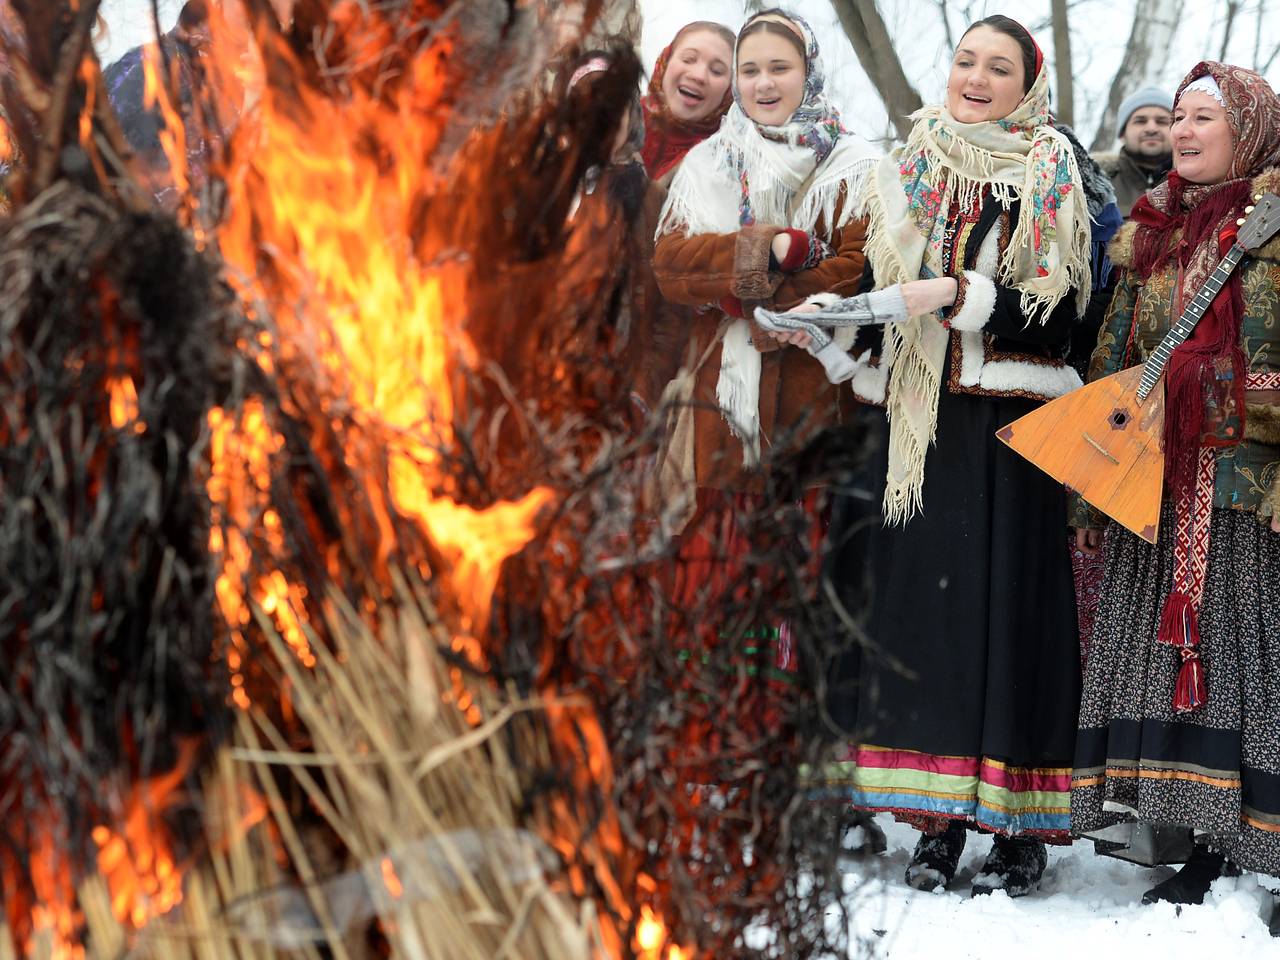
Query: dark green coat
[{"x": 1248, "y": 474}]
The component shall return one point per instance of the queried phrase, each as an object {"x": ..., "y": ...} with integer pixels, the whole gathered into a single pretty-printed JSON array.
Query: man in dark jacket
[{"x": 1146, "y": 153}]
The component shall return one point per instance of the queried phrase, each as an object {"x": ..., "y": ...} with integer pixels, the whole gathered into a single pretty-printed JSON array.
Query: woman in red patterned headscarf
[
  {"x": 1177, "y": 758},
  {"x": 688, "y": 95}
]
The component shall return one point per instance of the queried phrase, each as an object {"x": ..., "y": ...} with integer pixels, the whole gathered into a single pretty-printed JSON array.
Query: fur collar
[
  {"x": 1262, "y": 423},
  {"x": 1121, "y": 249},
  {"x": 1108, "y": 162}
]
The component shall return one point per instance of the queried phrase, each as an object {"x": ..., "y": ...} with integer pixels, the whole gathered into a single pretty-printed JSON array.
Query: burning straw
[
  {"x": 387, "y": 325},
  {"x": 422, "y": 812}
]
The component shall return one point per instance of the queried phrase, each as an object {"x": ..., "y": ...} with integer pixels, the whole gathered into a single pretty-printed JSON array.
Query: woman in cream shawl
[{"x": 970, "y": 692}]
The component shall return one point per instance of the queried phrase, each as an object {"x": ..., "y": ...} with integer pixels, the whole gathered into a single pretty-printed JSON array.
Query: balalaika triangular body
[
  {"x": 1104, "y": 443},
  {"x": 1105, "y": 440}
]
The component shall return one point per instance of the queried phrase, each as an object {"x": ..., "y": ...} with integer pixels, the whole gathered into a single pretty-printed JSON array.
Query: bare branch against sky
[
  {"x": 923, "y": 34},
  {"x": 871, "y": 42}
]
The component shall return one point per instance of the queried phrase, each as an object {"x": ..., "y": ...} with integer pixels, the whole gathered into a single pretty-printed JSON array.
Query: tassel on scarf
[
  {"x": 1189, "y": 692},
  {"x": 1180, "y": 627}
]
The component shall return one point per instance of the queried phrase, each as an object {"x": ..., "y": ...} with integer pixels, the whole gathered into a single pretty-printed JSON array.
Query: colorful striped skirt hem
[{"x": 921, "y": 787}]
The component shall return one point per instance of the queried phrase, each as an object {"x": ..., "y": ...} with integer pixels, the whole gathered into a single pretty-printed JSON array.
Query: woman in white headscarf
[{"x": 761, "y": 213}]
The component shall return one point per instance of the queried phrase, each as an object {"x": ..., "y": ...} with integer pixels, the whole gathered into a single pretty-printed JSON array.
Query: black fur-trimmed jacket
[{"x": 994, "y": 350}]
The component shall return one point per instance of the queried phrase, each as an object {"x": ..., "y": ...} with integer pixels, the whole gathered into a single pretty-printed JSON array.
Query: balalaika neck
[{"x": 1191, "y": 315}]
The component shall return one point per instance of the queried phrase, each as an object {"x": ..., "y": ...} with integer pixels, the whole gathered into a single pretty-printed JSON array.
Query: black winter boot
[
  {"x": 1192, "y": 881},
  {"x": 935, "y": 859},
  {"x": 1015, "y": 865},
  {"x": 1274, "y": 925},
  {"x": 862, "y": 836}
]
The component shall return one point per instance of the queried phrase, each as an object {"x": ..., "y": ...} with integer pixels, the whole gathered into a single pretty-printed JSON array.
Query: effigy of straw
[
  {"x": 422, "y": 812},
  {"x": 589, "y": 762}
]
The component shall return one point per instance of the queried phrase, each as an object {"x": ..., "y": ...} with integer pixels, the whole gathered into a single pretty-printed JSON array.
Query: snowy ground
[{"x": 1086, "y": 903}]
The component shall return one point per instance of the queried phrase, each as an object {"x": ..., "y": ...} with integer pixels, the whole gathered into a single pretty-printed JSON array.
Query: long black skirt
[
  {"x": 966, "y": 704},
  {"x": 1146, "y": 775}
]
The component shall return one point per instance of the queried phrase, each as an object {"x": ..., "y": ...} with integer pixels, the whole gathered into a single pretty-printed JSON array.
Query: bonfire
[{"x": 336, "y": 618}]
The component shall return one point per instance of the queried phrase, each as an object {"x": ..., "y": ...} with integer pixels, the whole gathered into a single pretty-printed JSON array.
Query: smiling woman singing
[
  {"x": 688, "y": 96},
  {"x": 1178, "y": 757},
  {"x": 760, "y": 213},
  {"x": 967, "y": 718}
]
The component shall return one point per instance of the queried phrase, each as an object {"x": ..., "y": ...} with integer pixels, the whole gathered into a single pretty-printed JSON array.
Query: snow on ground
[{"x": 1086, "y": 904}]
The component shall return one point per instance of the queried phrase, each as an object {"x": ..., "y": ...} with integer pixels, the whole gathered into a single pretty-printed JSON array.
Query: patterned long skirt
[{"x": 1142, "y": 767}]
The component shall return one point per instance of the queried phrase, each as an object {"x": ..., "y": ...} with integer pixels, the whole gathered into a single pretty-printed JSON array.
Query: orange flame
[
  {"x": 54, "y": 919},
  {"x": 173, "y": 134},
  {"x": 334, "y": 189},
  {"x": 391, "y": 880},
  {"x": 651, "y": 937},
  {"x": 138, "y": 864},
  {"x": 241, "y": 451},
  {"x": 123, "y": 398},
  {"x": 651, "y": 933}
]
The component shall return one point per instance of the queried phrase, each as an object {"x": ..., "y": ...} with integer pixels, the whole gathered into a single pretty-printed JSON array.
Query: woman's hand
[
  {"x": 1275, "y": 523},
  {"x": 781, "y": 246},
  {"x": 926, "y": 296},
  {"x": 796, "y": 337},
  {"x": 1088, "y": 541}
]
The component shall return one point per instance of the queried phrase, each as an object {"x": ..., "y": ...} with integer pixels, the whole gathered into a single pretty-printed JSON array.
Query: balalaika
[{"x": 1105, "y": 440}]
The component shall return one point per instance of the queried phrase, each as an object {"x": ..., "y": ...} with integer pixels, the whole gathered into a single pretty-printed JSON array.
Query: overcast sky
[{"x": 1099, "y": 31}]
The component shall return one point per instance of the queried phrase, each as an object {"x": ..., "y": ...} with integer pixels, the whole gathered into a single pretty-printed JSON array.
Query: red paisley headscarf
[
  {"x": 666, "y": 139},
  {"x": 1206, "y": 215}
]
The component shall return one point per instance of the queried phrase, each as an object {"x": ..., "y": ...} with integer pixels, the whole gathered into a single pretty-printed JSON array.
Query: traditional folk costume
[
  {"x": 1180, "y": 718},
  {"x": 666, "y": 139},
  {"x": 969, "y": 690},
  {"x": 741, "y": 397},
  {"x": 732, "y": 195}
]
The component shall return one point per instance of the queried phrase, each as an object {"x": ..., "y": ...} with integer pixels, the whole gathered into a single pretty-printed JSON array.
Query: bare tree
[
  {"x": 1154, "y": 24},
  {"x": 1062, "y": 63},
  {"x": 1257, "y": 34},
  {"x": 946, "y": 23},
  {"x": 867, "y": 32},
  {"x": 1233, "y": 7}
]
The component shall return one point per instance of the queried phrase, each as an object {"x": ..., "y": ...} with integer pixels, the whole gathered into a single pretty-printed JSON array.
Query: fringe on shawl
[
  {"x": 910, "y": 368},
  {"x": 902, "y": 498},
  {"x": 691, "y": 209},
  {"x": 738, "y": 389},
  {"x": 821, "y": 199},
  {"x": 1077, "y": 270}
]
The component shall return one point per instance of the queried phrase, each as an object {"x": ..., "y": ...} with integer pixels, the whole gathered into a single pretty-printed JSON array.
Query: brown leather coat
[{"x": 796, "y": 400}]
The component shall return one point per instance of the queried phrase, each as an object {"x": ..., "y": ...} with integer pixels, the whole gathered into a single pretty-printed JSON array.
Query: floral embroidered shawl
[{"x": 1018, "y": 158}]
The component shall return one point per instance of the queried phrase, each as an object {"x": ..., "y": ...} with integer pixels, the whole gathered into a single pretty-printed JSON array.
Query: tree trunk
[
  {"x": 1257, "y": 34},
  {"x": 866, "y": 30},
  {"x": 1154, "y": 24},
  {"x": 1233, "y": 7},
  {"x": 1062, "y": 64}
]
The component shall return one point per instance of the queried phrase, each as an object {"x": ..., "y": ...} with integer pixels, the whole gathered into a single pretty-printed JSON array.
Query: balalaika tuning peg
[
  {"x": 1249, "y": 209},
  {"x": 1240, "y": 222},
  {"x": 1257, "y": 197}
]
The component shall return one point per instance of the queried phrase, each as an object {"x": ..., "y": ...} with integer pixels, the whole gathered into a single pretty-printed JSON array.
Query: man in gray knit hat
[{"x": 1146, "y": 153}]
